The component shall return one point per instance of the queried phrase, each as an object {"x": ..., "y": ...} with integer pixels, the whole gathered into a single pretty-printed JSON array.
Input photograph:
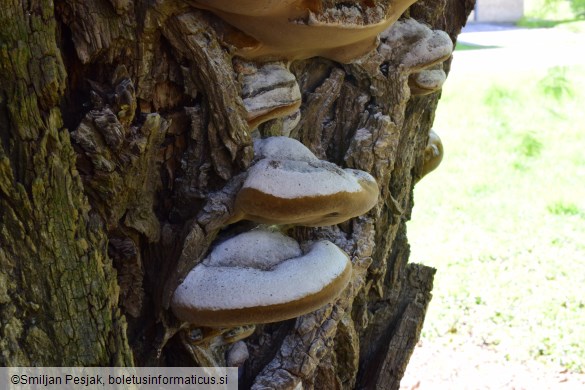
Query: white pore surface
[
  {"x": 282, "y": 148},
  {"x": 406, "y": 28},
  {"x": 224, "y": 288},
  {"x": 360, "y": 175},
  {"x": 414, "y": 43},
  {"x": 430, "y": 49},
  {"x": 260, "y": 248},
  {"x": 295, "y": 179}
]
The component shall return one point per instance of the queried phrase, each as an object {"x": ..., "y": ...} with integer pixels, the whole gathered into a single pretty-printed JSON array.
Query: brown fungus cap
[
  {"x": 258, "y": 277},
  {"x": 300, "y": 29},
  {"x": 433, "y": 153},
  {"x": 289, "y": 185}
]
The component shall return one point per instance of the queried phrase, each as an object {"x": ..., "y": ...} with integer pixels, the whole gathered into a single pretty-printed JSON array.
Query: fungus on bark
[
  {"x": 269, "y": 91},
  {"x": 300, "y": 29},
  {"x": 427, "y": 81},
  {"x": 433, "y": 153},
  {"x": 415, "y": 48},
  {"x": 290, "y": 185},
  {"x": 258, "y": 277}
]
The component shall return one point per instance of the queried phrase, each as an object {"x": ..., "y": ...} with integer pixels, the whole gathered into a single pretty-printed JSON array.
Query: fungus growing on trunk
[
  {"x": 258, "y": 277},
  {"x": 427, "y": 81},
  {"x": 289, "y": 185},
  {"x": 433, "y": 153},
  {"x": 269, "y": 91},
  {"x": 412, "y": 46},
  {"x": 300, "y": 29}
]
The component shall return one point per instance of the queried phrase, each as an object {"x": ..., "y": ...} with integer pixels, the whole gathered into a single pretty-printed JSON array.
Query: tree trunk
[{"x": 124, "y": 137}]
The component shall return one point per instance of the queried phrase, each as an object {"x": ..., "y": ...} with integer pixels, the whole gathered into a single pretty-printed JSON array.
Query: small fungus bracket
[
  {"x": 433, "y": 153},
  {"x": 410, "y": 46},
  {"x": 269, "y": 91}
]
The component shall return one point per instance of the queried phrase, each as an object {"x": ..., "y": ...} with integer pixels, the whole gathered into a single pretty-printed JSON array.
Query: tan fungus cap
[
  {"x": 258, "y": 277},
  {"x": 289, "y": 185}
]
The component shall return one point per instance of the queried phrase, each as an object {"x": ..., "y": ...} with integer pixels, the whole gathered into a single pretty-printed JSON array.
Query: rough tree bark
[{"x": 123, "y": 138}]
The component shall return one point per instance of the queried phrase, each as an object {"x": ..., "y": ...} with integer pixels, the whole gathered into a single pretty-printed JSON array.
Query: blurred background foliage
[{"x": 503, "y": 217}]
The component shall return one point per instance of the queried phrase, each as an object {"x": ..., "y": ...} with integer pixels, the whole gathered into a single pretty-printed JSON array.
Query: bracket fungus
[
  {"x": 269, "y": 91},
  {"x": 427, "y": 81},
  {"x": 433, "y": 153},
  {"x": 260, "y": 276},
  {"x": 290, "y": 185},
  {"x": 416, "y": 48},
  {"x": 300, "y": 29}
]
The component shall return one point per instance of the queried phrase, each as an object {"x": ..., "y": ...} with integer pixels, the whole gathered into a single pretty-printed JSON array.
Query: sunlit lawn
[{"x": 503, "y": 217}]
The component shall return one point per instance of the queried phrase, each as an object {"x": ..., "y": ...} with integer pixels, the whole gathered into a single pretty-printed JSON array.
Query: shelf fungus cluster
[
  {"x": 300, "y": 29},
  {"x": 263, "y": 276}
]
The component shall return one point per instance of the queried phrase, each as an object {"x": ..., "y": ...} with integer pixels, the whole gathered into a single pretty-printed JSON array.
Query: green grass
[
  {"x": 565, "y": 14},
  {"x": 551, "y": 10},
  {"x": 503, "y": 217},
  {"x": 562, "y": 208},
  {"x": 528, "y": 22},
  {"x": 465, "y": 46}
]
